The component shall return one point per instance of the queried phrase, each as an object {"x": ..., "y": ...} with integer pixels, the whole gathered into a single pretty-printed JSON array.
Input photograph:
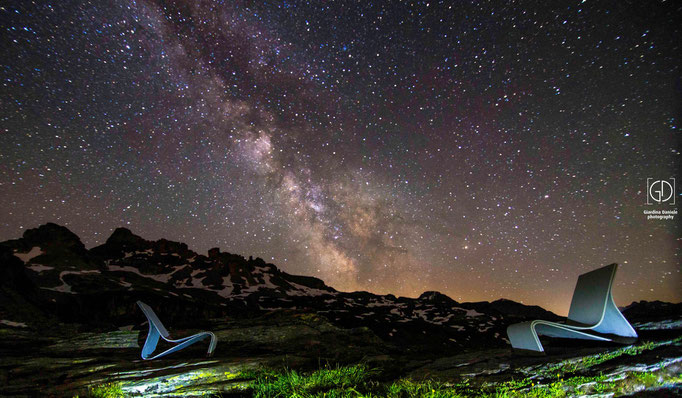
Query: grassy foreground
[
  {"x": 359, "y": 381},
  {"x": 564, "y": 379}
]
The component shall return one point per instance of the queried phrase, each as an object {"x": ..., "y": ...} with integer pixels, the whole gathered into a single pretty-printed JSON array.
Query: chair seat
[{"x": 157, "y": 330}]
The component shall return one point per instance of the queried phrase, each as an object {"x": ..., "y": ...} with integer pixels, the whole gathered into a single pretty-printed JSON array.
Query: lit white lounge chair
[
  {"x": 592, "y": 310},
  {"x": 157, "y": 330}
]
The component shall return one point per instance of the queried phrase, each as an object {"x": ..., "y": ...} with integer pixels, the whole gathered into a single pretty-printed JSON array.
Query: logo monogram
[{"x": 660, "y": 191}]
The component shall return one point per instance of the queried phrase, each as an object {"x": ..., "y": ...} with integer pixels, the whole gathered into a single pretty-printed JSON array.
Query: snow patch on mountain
[
  {"x": 65, "y": 287},
  {"x": 13, "y": 324},
  {"x": 306, "y": 291},
  {"x": 226, "y": 291},
  {"x": 39, "y": 268},
  {"x": 26, "y": 257},
  {"x": 163, "y": 278},
  {"x": 469, "y": 313}
]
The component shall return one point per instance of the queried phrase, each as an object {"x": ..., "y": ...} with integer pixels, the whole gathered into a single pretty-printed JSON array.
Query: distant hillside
[{"x": 48, "y": 275}]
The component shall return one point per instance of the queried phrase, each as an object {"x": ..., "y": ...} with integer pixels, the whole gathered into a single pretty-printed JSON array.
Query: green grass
[
  {"x": 361, "y": 381},
  {"x": 573, "y": 366},
  {"x": 647, "y": 379},
  {"x": 565, "y": 379},
  {"x": 106, "y": 390},
  {"x": 290, "y": 383}
]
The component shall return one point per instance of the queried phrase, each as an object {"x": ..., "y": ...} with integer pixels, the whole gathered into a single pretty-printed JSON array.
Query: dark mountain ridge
[{"x": 49, "y": 276}]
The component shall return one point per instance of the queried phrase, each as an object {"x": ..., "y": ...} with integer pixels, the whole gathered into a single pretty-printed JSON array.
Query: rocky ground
[
  {"x": 69, "y": 326},
  {"x": 67, "y": 361}
]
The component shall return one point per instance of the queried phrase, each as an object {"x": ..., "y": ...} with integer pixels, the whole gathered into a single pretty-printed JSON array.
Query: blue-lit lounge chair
[
  {"x": 593, "y": 315},
  {"x": 157, "y": 330}
]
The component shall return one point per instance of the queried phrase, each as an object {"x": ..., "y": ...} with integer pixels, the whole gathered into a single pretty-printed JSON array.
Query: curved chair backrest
[
  {"x": 157, "y": 330},
  {"x": 591, "y": 295},
  {"x": 153, "y": 319}
]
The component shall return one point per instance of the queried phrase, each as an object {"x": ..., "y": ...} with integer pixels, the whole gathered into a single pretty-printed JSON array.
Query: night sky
[{"x": 484, "y": 150}]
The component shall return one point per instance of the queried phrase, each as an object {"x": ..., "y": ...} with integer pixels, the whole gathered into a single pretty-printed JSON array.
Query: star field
[{"x": 483, "y": 149}]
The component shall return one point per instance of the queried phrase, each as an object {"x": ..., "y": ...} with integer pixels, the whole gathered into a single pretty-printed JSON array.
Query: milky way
[{"x": 484, "y": 150}]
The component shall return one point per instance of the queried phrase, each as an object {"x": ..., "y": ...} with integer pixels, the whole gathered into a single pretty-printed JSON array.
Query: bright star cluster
[{"x": 483, "y": 149}]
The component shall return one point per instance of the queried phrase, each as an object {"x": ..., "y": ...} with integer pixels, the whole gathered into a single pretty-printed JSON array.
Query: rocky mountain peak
[
  {"x": 214, "y": 253},
  {"x": 125, "y": 239},
  {"x": 53, "y": 236},
  {"x": 436, "y": 297}
]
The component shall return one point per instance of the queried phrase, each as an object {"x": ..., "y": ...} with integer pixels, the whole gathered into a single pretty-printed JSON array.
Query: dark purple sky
[{"x": 478, "y": 150}]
